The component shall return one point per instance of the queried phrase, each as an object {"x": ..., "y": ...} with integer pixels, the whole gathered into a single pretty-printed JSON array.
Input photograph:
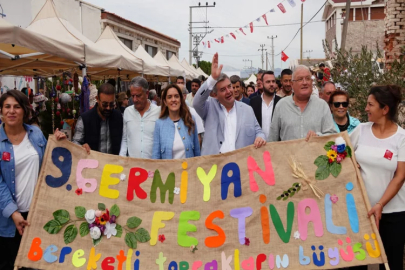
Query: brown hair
[
  {"x": 184, "y": 111},
  {"x": 22, "y": 100},
  {"x": 121, "y": 97},
  {"x": 388, "y": 95},
  {"x": 338, "y": 93}
]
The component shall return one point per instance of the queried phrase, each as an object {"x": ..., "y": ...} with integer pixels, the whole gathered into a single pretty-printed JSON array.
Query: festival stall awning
[
  {"x": 97, "y": 59},
  {"x": 173, "y": 70},
  {"x": 202, "y": 72},
  {"x": 176, "y": 63},
  {"x": 150, "y": 66},
  {"x": 26, "y": 53},
  {"x": 185, "y": 64},
  {"x": 252, "y": 78}
]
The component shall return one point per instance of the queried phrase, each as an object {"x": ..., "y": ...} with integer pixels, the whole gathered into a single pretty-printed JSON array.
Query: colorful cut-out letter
[
  {"x": 184, "y": 227},
  {"x": 107, "y": 180},
  {"x": 241, "y": 214},
  {"x": 206, "y": 179},
  {"x": 267, "y": 175},
  {"x": 80, "y": 180}
]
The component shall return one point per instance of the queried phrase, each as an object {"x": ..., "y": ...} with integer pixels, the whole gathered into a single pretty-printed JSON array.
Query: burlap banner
[{"x": 240, "y": 210}]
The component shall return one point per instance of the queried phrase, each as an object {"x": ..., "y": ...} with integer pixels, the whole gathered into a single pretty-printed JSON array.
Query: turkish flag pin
[
  {"x": 6, "y": 156},
  {"x": 388, "y": 154}
]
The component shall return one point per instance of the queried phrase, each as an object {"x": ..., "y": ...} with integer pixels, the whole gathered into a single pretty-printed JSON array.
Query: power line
[
  {"x": 303, "y": 27},
  {"x": 284, "y": 24}
]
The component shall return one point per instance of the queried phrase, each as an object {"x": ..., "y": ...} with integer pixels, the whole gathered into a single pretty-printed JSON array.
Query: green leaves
[
  {"x": 133, "y": 222},
  {"x": 142, "y": 235},
  {"x": 328, "y": 145},
  {"x": 84, "y": 229},
  {"x": 115, "y": 210},
  {"x": 80, "y": 211},
  {"x": 349, "y": 151},
  {"x": 70, "y": 234},
  {"x": 322, "y": 172},
  {"x": 119, "y": 230},
  {"x": 335, "y": 169},
  {"x": 130, "y": 240},
  {"x": 321, "y": 160},
  {"x": 101, "y": 206},
  {"x": 62, "y": 216},
  {"x": 290, "y": 192},
  {"x": 53, "y": 226},
  {"x": 96, "y": 242}
]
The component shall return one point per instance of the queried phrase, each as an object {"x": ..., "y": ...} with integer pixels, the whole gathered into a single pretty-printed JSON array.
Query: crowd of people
[{"x": 218, "y": 115}]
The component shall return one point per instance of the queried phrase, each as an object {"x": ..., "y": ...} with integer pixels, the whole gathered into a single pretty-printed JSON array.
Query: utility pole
[
  {"x": 267, "y": 61},
  {"x": 272, "y": 51},
  {"x": 194, "y": 51},
  {"x": 2, "y": 12},
  {"x": 251, "y": 64},
  {"x": 345, "y": 24},
  {"x": 262, "y": 49},
  {"x": 302, "y": 22}
]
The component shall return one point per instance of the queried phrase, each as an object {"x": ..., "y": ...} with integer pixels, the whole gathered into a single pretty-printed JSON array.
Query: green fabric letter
[
  {"x": 168, "y": 186},
  {"x": 184, "y": 227},
  {"x": 278, "y": 224}
]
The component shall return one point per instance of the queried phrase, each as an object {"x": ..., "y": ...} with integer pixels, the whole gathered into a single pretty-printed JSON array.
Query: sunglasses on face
[
  {"x": 106, "y": 104},
  {"x": 337, "y": 104}
]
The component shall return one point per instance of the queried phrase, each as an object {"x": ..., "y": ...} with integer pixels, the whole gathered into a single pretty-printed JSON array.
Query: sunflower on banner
[{"x": 250, "y": 26}]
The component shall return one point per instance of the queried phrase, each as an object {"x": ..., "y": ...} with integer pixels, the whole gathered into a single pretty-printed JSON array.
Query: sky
[{"x": 171, "y": 17}]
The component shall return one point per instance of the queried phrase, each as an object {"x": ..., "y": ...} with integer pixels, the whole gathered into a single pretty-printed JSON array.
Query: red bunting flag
[
  {"x": 265, "y": 18},
  {"x": 281, "y": 7},
  {"x": 240, "y": 29},
  {"x": 209, "y": 45},
  {"x": 303, "y": 1},
  {"x": 251, "y": 27},
  {"x": 284, "y": 57},
  {"x": 222, "y": 39},
  {"x": 216, "y": 40},
  {"x": 233, "y": 35}
]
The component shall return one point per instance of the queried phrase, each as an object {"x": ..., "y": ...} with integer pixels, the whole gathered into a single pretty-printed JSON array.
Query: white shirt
[
  {"x": 190, "y": 99},
  {"x": 376, "y": 170},
  {"x": 198, "y": 120},
  {"x": 26, "y": 161},
  {"x": 178, "y": 145},
  {"x": 267, "y": 112},
  {"x": 229, "y": 130},
  {"x": 137, "y": 134}
]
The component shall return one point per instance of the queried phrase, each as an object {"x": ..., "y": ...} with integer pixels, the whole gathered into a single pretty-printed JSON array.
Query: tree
[
  {"x": 357, "y": 73},
  {"x": 205, "y": 66}
]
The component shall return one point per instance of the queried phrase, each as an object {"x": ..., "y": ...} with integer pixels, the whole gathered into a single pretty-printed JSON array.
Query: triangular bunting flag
[
  {"x": 216, "y": 40},
  {"x": 258, "y": 19},
  {"x": 302, "y": 0},
  {"x": 265, "y": 18},
  {"x": 222, "y": 39},
  {"x": 292, "y": 3},
  {"x": 233, "y": 35},
  {"x": 209, "y": 45},
  {"x": 284, "y": 57},
  {"x": 281, "y": 7},
  {"x": 240, "y": 29},
  {"x": 204, "y": 44},
  {"x": 251, "y": 27}
]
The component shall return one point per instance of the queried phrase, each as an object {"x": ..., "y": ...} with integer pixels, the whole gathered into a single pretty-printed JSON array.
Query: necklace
[{"x": 16, "y": 137}]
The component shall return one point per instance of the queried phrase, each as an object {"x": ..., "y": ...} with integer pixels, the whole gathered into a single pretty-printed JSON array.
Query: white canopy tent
[
  {"x": 101, "y": 62},
  {"x": 252, "y": 78},
  {"x": 193, "y": 71},
  {"x": 176, "y": 63},
  {"x": 173, "y": 70},
  {"x": 202, "y": 72},
  {"x": 150, "y": 66}
]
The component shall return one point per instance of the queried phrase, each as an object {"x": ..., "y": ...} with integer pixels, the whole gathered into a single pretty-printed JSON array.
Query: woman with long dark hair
[
  {"x": 175, "y": 134},
  {"x": 379, "y": 147},
  {"x": 22, "y": 148}
]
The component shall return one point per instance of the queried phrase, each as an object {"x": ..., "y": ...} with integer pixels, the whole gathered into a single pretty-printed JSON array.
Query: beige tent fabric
[
  {"x": 185, "y": 220},
  {"x": 202, "y": 72},
  {"x": 176, "y": 63},
  {"x": 39, "y": 55},
  {"x": 150, "y": 65},
  {"x": 161, "y": 59},
  {"x": 185, "y": 64},
  {"x": 48, "y": 23},
  {"x": 252, "y": 78}
]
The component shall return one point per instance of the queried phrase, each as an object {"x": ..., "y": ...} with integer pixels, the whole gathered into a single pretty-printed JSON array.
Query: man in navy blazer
[{"x": 229, "y": 125}]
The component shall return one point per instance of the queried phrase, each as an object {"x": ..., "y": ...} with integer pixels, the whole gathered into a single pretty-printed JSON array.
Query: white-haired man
[{"x": 301, "y": 115}]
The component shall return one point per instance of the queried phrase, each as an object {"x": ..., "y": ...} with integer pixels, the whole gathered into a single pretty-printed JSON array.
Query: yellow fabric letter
[
  {"x": 107, "y": 180},
  {"x": 93, "y": 258},
  {"x": 157, "y": 224},
  {"x": 76, "y": 260},
  {"x": 206, "y": 180}
]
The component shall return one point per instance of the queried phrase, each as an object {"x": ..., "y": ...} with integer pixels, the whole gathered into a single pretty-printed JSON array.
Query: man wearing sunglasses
[
  {"x": 339, "y": 103},
  {"x": 100, "y": 129}
]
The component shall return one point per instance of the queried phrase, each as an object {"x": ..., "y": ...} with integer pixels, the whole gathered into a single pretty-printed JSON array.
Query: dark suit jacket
[
  {"x": 255, "y": 94},
  {"x": 256, "y": 104}
]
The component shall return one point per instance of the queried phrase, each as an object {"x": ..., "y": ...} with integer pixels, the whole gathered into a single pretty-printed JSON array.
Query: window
[
  {"x": 151, "y": 50},
  {"x": 127, "y": 42},
  {"x": 169, "y": 54}
]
